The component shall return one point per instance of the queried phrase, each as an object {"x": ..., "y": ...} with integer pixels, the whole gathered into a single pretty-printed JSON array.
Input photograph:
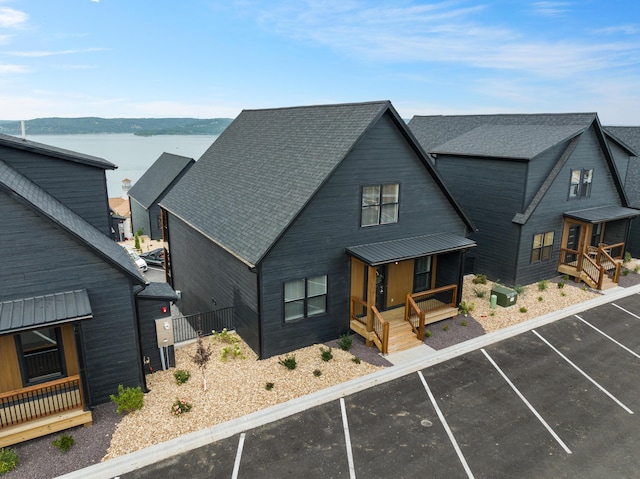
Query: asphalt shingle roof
[
  {"x": 158, "y": 177},
  {"x": 632, "y": 183},
  {"x": 38, "y": 199},
  {"x": 628, "y": 136}
]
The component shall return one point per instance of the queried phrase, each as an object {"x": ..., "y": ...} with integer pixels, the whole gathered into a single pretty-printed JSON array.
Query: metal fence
[{"x": 187, "y": 327}]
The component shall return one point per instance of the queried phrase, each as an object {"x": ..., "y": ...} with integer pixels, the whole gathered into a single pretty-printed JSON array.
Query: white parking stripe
[
  {"x": 236, "y": 464},
  {"x": 446, "y": 427},
  {"x": 583, "y": 373},
  {"x": 347, "y": 439},
  {"x": 527, "y": 403},
  {"x": 628, "y": 312},
  {"x": 609, "y": 337}
]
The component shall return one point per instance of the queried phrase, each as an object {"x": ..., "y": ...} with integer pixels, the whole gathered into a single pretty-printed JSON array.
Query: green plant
[
  {"x": 326, "y": 354},
  {"x": 356, "y": 359},
  {"x": 625, "y": 271},
  {"x": 128, "y": 399},
  {"x": 480, "y": 293},
  {"x": 445, "y": 327},
  {"x": 268, "y": 386},
  {"x": 479, "y": 279},
  {"x": 344, "y": 342},
  {"x": 136, "y": 242},
  {"x": 232, "y": 350},
  {"x": 562, "y": 293},
  {"x": 180, "y": 406},
  {"x": 139, "y": 232},
  {"x": 561, "y": 284},
  {"x": 428, "y": 333},
  {"x": 492, "y": 313},
  {"x": 542, "y": 285},
  {"x": 317, "y": 372},
  {"x": 288, "y": 362},
  {"x": 636, "y": 268},
  {"x": 540, "y": 298},
  {"x": 584, "y": 287},
  {"x": 8, "y": 460},
  {"x": 64, "y": 442},
  {"x": 463, "y": 323},
  {"x": 225, "y": 336},
  {"x": 523, "y": 309},
  {"x": 627, "y": 258},
  {"x": 181, "y": 376},
  {"x": 519, "y": 289},
  {"x": 565, "y": 277},
  {"x": 465, "y": 308}
]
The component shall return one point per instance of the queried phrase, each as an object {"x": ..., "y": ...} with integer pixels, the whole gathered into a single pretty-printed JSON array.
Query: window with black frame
[
  {"x": 580, "y": 185},
  {"x": 422, "y": 274},
  {"x": 41, "y": 355},
  {"x": 304, "y": 298},
  {"x": 542, "y": 247},
  {"x": 379, "y": 204}
]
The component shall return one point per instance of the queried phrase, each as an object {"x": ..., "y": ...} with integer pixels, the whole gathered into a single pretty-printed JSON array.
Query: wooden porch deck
[{"x": 43, "y": 426}]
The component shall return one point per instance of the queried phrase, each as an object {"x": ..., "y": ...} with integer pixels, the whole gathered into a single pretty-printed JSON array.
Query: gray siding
[
  {"x": 539, "y": 168},
  {"x": 82, "y": 188},
  {"x": 633, "y": 246},
  {"x": 109, "y": 339},
  {"x": 139, "y": 217},
  {"x": 205, "y": 273},
  {"x": 315, "y": 243},
  {"x": 621, "y": 159},
  {"x": 148, "y": 311}
]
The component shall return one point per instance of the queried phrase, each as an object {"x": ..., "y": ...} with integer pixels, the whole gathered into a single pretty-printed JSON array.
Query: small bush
[
  {"x": 492, "y": 313},
  {"x": 636, "y": 268},
  {"x": 225, "y": 336},
  {"x": 540, "y": 298},
  {"x": 519, "y": 289},
  {"x": 268, "y": 386},
  {"x": 356, "y": 360},
  {"x": 480, "y": 293},
  {"x": 64, "y": 442},
  {"x": 445, "y": 327},
  {"x": 8, "y": 460},
  {"x": 479, "y": 279},
  {"x": 562, "y": 293},
  {"x": 565, "y": 277},
  {"x": 181, "y": 376},
  {"x": 326, "y": 354},
  {"x": 561, "y": 285},
  {"x": 345, "y": 341},
  {"x": 288, "y": 362},
  {"x": 463, "y": 323},
  {"x": 232, "y": 350},
  {"x": 542, "y": 285},
  {"x": 625, "y": 271},
  {"x": 317, "y": 372},
  {"x": 180, "y": 406},
  {"x": 465, "y": 308},
  {"x": 428, "y": 333},
  {"x": 128, "y": 399},
  {"x": 627, "y": 258},
  {"x": 523, "y": 309}
]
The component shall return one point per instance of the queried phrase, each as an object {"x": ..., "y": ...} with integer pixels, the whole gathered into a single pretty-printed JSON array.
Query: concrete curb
[{"x": 145, "y": 457}]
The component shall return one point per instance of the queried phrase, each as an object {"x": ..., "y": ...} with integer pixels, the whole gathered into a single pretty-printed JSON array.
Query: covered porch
[
  {"x": 398, "y": 287},
  {"x": 41, "y": 390},
  {"x": 593, "y": 245}
]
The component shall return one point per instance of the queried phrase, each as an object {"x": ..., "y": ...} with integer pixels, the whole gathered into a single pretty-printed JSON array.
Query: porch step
[{"x": 43, "y": 426}]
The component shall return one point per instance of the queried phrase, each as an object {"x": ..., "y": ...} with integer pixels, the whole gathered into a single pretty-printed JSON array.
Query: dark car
[{"x": 154, "y": 257}]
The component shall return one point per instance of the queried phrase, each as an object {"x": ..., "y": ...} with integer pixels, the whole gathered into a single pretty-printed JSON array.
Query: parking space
[{"x": 558, "y": 401}]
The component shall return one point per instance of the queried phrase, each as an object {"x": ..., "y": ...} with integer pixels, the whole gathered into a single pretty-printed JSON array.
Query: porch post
[{"x": 371, "y": 300}]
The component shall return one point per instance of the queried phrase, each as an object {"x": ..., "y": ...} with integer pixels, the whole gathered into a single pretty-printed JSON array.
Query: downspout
[{"x": 143, "y": 377}]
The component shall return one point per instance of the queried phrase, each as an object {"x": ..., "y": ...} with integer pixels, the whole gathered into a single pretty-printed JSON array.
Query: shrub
[
  {"x": 428, "y": 333},
  {"x": 326, "y": 354},
  {"x": 225, "y": 336},
  {"x": 565, "y": 277},
  {"x": 627, "y": 258},
  {"x": 562, "y": 293},
  {"x": 561, "y": 285},
  {"x": 136, "y": 243},
  {"x": 317, "y": 372},
  {"x": 445, "y": 327},
  {"x": 64, "y": 442},
  {"x": 625, "y": 271},
  {"x": 128, "y": 399},
  {"x": 201, "y": 358},
  {"x": 8, "y": 460},
  {"x": 232, "y": 350},
  {"x": 345, "y": 341},
  {"x": 636, "y": 268},
  {"x": 540, "y": 298},
  {"x": 181, "y": 376},
  {"x": 492, "y": 313},
  {"x": 519, "y": 289},
  {"x": 180, "y": 406},
  {"x": 523, "y": 309},
  {"x": 356, "y": 360},
  {"x": 465, "y": 308},
  {"x": 480, "y": 293},
  {"x": 288, "y": 362},
  {"x": 479, "y": 279},
  {"x": 268, "y": 386},
  {"x": 542, "y": 285},
  {"x": 463, "y": 323}
]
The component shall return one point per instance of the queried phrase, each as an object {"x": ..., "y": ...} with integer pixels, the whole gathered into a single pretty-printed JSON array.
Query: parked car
[
  {"x": 140, "y": 263},
  {"x": 154, "y": 257}
]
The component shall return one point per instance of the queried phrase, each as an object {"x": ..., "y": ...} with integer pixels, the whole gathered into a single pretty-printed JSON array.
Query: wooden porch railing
[
  {"x": 33, "y": 402},
  {"x": 419, "y": 305},
  {"x": 595, "y": 263},
  {"x": 376, "y": 327}
]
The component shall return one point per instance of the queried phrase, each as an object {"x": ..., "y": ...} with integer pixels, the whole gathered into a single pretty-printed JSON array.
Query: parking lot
[{"x": 558, "y": 401}]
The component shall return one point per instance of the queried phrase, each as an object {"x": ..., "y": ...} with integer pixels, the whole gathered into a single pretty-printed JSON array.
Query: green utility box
[{"x": 505, "y": 297}]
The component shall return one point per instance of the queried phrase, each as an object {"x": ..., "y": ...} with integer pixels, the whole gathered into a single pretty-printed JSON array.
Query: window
[
  {"x": 542, "y": 246},
  {"x": 422, "y": 274},
  {"x": 304, "y": 298},
  {"x": 580, "y": 183},
  {"x": 379, "y": 204},
  {"x": 41, "y": 355}
]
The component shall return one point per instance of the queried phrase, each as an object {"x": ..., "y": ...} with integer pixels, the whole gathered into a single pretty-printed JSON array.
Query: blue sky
[{"x": 209, "y": 58}]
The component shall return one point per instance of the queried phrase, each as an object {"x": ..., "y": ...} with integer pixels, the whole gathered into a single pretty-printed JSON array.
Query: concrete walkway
[{"x": 404, "y": 363}]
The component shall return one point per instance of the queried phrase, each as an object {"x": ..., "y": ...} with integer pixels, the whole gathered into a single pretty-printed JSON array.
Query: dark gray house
[
  {"x": 625, "y": 146},
  {"x": 543, "y": 191},
  {"x": 311, "y": 220},
  {"x": 149, "y": 190},
  {"x": 69, "y": 330}
]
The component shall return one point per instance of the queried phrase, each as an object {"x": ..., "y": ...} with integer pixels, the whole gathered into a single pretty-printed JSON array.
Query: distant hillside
[{"x": 137, "y": 126}]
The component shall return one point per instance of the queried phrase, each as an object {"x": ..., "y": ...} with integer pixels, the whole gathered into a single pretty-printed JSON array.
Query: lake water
[{"x": 132, "y": 154}]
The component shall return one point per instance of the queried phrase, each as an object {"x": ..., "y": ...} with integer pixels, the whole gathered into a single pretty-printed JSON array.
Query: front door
[
  {"x": 573, "y": 242},
  {"x": 381, "y": 287}
]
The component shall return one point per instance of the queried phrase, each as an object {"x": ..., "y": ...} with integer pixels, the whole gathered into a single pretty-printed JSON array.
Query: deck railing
[
  {"x": 419, "y": 305},
  {"x": 39, "y": 401},
  {"x": 376, "y": 327},
  {"x": 381, "y": 330}
]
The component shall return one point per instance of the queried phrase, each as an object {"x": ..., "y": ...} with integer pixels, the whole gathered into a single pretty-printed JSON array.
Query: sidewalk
[{"x": 405, "y": 363}]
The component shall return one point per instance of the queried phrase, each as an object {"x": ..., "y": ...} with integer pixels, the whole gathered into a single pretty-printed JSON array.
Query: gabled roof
[
  {"x": 120, "y": 206},
  {"x": 626, "y": 136},
  {"x": 259, "y": 174},
  {"x": 60, "y": 153},
  {"x": 632, "y": 183},
  {"x": 158, "y": 178},
  {"x": 35, "y": 198}
]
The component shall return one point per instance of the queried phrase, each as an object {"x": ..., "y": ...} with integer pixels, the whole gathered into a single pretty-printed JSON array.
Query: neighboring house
[
  {"x": 543, "y": 191},
  {"x": 151, "y": 188},
  {"x": 625, "y": 145},
  {"x": 69, "y": 329},
  {"x": 120, "y": 218},
  {"x": 311, "y": 220}
]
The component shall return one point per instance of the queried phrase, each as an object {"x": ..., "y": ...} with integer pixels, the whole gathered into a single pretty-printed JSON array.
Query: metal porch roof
[
  {"x": 602, "y": 213},
  {"x": 42, "y": 311},
  {"x": 375, "y": 254}
]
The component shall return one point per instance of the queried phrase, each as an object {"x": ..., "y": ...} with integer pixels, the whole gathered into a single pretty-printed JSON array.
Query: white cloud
[
  {"x": 35, "y": 54},
  {"x": 6, "y": 69},
  {"x": 614, "y": 30},
  {"x": 11, "y": 18},
  {"x": 550, "y": 9}
]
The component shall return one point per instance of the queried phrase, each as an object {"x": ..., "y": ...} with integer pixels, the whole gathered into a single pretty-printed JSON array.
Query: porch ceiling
[
  {"x": 408, "y": 248},
  {"x": 41, "y": 311},
  {"x": 602, "y": 214}
]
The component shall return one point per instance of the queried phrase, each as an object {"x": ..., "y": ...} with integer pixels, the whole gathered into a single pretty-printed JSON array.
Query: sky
[{"x": 210, "y": 58}]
